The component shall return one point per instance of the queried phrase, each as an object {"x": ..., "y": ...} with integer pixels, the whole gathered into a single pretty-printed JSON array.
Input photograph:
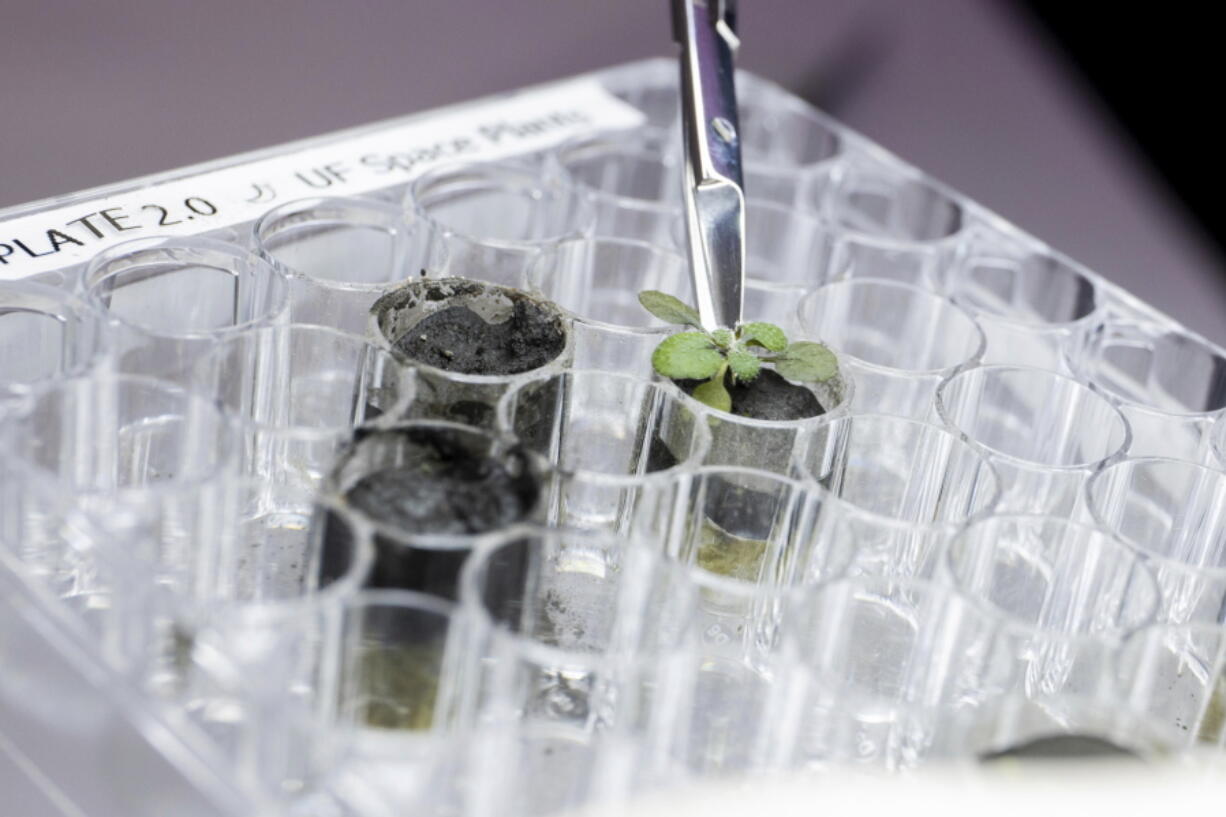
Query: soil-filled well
[
  {"x": 457, "y": 339},
  {"x": 439, "y": 486}
]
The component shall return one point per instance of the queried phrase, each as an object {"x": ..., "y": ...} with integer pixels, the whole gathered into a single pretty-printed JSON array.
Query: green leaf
[
  {"x": 688, "y": 356},
  {"x": 807, "y": 361},
  {"x": 745, "y": 365},
  {"x": 766, "y": 335},
  {"x": 669, "y": 309},
  {"x": 714, "y": 394},
  {"x": 723, "y": 338}
]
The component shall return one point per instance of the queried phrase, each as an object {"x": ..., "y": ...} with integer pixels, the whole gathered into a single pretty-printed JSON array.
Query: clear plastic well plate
[{"x": 1002, "y": 526}]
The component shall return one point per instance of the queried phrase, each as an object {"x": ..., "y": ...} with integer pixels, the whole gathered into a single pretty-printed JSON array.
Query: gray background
[
  {"x": 93, "y": 92},
  {"x": 969, "y": 90}
]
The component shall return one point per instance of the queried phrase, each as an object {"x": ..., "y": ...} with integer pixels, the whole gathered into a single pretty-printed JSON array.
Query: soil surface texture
[
  {"x": 457, "y": 339},
  {"x": 443, "y": 488},
  {"x": 769, "y": 396}
]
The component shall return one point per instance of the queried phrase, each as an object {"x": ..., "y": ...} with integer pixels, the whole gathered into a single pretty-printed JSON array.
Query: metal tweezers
[{"x": 714, "y": 189}]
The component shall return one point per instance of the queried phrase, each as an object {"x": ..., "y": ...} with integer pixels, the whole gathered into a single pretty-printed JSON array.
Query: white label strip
[{"x": 521, "y": 124}]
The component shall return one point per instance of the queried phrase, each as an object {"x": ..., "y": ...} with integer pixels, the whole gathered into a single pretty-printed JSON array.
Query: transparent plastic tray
[{"x": 97, "y": 742}]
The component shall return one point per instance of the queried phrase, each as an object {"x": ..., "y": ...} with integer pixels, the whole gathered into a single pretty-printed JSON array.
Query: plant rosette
[{"x": 749, "y": 371}]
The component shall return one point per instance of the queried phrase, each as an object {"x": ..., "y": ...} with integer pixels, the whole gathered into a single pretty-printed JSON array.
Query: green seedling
[{"x": 737, "y": 353}]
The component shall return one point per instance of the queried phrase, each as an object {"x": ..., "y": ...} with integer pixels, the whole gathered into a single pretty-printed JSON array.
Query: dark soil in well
[
  {"x": 1056, "y": 747},
  {"x": 442, "y": 488},
  {"x": 659, "y": 457},
  {"x": 769, "y": 396},
  {"x": 439, "y": 486},
  {"x": 739, "y": 510},
  {"x": 457, "y": 339}
]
